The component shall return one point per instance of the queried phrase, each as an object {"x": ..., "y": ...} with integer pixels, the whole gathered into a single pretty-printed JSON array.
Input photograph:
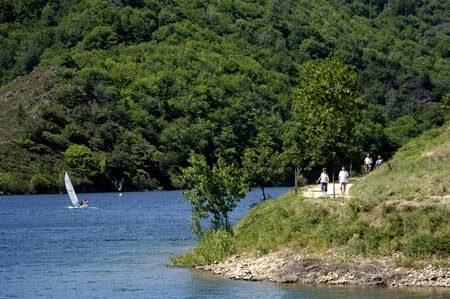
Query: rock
[{"x": 287, "y": 267}]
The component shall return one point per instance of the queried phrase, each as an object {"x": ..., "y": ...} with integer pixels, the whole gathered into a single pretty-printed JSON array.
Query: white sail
[{"x": 70, "y": 190}]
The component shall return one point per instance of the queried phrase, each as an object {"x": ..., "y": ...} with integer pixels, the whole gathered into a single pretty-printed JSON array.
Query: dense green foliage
[
  {"x": 129, "y": 88},
  {"x": 328, "y": 109},
  {"x": 214, "y": 192},
  {"x": 262, "y": 163}
]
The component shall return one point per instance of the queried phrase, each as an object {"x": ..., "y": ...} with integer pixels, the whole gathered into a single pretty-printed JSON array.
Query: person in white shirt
[
  {"x": 323, "y": 180},
  {"x": 368, "y": 163},
  {"x": 343, "y": 179}
]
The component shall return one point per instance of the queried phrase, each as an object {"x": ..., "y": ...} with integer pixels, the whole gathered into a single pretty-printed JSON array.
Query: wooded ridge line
[{"x": 121, "y": 93}]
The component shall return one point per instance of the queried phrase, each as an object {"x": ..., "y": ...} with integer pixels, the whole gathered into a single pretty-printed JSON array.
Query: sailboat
[{"x": 71, "y": 192}]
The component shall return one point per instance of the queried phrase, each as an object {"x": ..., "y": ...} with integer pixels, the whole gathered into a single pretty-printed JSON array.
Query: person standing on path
[
  {"x": 343, "y": 179},
  {"x": 368, "y": 163},
  {"x": 378, "y": 162},
  {"x": 323, "y": 180}
]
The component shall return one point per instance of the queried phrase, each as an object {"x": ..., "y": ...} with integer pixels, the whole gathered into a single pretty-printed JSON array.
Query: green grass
[
  {"x": 214, "y": 246},
  {"x": 357, "y": 227},
  {"x": 420, "y": 169}
]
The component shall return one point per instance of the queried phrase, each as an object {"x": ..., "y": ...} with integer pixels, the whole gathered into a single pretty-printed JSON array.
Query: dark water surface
[{"x": 119, "y": 248}]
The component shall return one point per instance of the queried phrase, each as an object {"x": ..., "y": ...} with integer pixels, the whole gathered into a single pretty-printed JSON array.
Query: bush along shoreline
[{"x": 357, "y": 242}]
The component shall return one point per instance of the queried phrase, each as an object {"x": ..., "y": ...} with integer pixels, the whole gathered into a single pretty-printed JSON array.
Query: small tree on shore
[
  {"x": 262, "y": 163},
  {"x": 214, "y": 191},
  {"x": 294, "y": 148}
]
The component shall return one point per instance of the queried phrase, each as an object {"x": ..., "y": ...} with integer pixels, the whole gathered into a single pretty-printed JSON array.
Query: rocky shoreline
[{"x": 289, "y": 267}]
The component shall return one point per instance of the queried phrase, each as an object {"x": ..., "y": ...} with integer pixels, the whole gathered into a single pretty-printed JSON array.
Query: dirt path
[{"x": 313, "y": 191}]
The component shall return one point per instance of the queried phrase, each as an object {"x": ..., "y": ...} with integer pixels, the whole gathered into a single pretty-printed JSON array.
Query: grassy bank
[
  {"x": 386, "y": 214},
  {"x": 420, "y": 169},
  {"x": 359, "y": 227},
  {"x": 366, "y": 228}
]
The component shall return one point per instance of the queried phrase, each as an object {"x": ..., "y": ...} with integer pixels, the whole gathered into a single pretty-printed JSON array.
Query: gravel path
[{"x": 313, "y": 191}]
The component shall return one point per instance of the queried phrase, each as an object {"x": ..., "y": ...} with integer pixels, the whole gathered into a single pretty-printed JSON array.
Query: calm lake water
[{"x": 120, "y": 247}]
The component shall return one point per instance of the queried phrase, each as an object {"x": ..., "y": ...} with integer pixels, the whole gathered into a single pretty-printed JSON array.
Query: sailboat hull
[{"x": 77, "y": 207}]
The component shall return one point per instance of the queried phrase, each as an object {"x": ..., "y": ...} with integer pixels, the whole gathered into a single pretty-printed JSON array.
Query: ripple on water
[{"x": 121, "y": 250}]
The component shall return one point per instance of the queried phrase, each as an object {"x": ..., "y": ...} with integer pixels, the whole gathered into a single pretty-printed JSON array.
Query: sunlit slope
[
  {"x": 19, "y": 101},
  {"x": 419, "y": 170}
]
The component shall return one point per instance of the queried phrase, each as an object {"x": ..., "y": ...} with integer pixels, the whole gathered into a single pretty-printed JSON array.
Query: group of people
[
  {"x": 344, "y": 176},
  {"x": 324, "y": 179},
  {"x": 368, "y": 163}
]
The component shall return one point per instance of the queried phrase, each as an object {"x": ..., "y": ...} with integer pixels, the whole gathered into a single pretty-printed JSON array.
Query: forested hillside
[{"x": 119, "y": 92}]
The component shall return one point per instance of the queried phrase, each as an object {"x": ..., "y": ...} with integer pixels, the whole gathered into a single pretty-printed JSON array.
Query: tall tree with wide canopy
[{"x": 328, "y": 107}]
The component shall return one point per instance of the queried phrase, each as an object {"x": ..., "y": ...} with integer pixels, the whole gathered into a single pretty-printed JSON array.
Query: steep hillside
[
  {"x": 419, "y": 170},
  {"x": 120, "y": 92},
  {"x": 21, "y": 99},
  {"x": 22, "y": 161}
]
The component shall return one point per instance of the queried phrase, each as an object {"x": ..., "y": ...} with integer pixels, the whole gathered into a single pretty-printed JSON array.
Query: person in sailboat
[{"x": 85, "y": 203}]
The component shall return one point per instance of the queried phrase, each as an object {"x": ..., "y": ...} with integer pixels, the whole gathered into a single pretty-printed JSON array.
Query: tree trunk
[
  {"x": 227, "y": 223},
  {"x": 296, "y": 178},
  {"x": 334, "y": 189}
]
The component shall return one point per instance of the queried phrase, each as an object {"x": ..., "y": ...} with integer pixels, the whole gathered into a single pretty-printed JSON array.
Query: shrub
[
  {"x": 101, "y": 37},
  {"x": 81, "y": 159},
  {"x": 41, "y": 183},
  {"x": 421, "y": 244},
  {"x": 12, "y": 184},
  {"x": 70, "y": 96},
  {"x": 357, "y": 206},
  {"x": 394, "y": 227},
  {"x": 442, "y": 242},
  {"x": 55, "y": 140},
  {"x": 214, "y": 246}
]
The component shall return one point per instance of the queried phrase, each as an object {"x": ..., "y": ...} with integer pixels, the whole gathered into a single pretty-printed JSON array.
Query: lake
[{"x": 120, "y": 247}]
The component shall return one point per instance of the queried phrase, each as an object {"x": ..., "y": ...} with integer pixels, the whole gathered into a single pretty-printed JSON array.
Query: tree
[
  {"x": 445, "y": 102},
  {"x": 101, "y": 37},
  {"x": 294, "y": 147},
  {"x": 328, "y": 107},
  {"x": 213, "y": 191},
  {"x": 131, "y": 161},
  {"x": 135, "y": 25},
  {"x": 262, "y": 163},
  {"x": 81, "y": 159}
]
